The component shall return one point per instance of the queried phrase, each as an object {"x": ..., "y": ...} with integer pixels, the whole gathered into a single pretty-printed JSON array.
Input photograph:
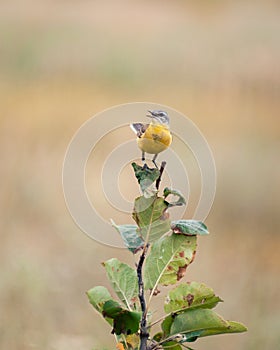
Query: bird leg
[
  {"x": 154, "y": 160},
  {"x": 145, "y": 166}
]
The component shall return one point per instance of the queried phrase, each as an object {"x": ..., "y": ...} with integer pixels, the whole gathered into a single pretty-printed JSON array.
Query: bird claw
[{"x": 145, "y": 166}]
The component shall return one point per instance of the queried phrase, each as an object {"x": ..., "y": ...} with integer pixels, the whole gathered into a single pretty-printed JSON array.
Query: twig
[
  {"x": 144, "y": 334},
  {"x": 163, "y": 164},
  {"x": 171, "y": 338},
  {"x": 160, "y": 319}
]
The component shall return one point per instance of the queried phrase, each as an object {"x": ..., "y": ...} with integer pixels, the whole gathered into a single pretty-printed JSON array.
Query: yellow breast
[{"x": 155, "y": 139}]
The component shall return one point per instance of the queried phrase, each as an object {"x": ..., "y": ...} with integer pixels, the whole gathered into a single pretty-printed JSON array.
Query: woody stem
[{"x": 144, "y": 334}]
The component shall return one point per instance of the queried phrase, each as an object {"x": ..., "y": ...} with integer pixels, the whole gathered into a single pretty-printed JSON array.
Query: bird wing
[{"x": 139, "y": 128}]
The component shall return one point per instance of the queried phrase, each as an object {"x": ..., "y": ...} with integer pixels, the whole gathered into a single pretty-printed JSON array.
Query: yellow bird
[{"x": 155, "y": 137}]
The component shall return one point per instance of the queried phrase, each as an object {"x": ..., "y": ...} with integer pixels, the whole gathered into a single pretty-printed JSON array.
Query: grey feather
[{"x": 139, "y": 128}]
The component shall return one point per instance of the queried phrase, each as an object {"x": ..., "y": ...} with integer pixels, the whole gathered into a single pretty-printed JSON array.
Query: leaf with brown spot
[
  {"x": 168, "y": 256},
  {"x": 190, "y": 295},
  {"x": 190, "y": 298},
  {"x": 181, "y": 272}
]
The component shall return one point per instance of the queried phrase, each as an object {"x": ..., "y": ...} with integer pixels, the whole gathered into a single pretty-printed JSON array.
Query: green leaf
[
  {"x": 197, "y": 323},
  {"x": 166, "y": 325},
  {"x": 168, "y": 260},
  {"x": 125, "y": 321},
  {"x": 132, "y": 240},
  {"x": 234, "y": 327},
  {"x": 189, "y": 227},
  {"x": 190, "y": 295},
  {"x": 158, "y": 336},
  {"x": 169, "y": 344},
  {"x": 123, "y": 279},
  {"x": 197, "y": 320},
  {"x": 151, "y": 216},
  {"x": 172, "y": 345},
  {"x": 146, "y": 177},
  {"x": 98, "y": 296},
  {"x": 180, "y": 199}
]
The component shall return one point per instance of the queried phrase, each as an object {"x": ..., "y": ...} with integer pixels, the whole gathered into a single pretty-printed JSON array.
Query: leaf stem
[
  {"x": 171, "y": 338},
  {"x": 169, "y": 314},
  {"x": 159, "y": 320},
  {"x": 144, "y": 334}
]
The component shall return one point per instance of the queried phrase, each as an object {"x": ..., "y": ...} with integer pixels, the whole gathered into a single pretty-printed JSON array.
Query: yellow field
[{"x": 60, "y": 63}]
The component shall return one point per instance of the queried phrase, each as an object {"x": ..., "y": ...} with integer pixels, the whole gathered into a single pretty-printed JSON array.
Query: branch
[
  {"x": 144, "y": 334},
  {"x": 163, "y": 164}
]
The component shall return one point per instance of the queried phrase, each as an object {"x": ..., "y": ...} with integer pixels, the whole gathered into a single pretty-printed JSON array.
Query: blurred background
[{"x": 63, "y": 61}]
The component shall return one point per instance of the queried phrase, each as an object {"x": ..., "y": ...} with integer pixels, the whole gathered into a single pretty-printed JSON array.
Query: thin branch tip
[{"x": 161, "y": 170}]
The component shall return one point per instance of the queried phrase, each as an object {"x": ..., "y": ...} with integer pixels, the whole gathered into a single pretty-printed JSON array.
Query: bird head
[{"x": 159, "y": 117}]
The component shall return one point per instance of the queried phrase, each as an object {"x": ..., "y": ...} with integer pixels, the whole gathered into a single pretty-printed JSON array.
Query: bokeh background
[{"x": 63, "y": 61}]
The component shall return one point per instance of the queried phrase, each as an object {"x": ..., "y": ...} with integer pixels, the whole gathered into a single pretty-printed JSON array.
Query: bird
[{"x": 155, "y": 137}]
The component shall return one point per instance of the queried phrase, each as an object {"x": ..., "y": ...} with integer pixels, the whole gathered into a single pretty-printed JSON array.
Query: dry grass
[{"x": 61, "y": 63}]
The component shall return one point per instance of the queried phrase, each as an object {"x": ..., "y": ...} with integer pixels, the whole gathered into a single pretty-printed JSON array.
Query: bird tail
[{"x": 138, "y": 128}]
